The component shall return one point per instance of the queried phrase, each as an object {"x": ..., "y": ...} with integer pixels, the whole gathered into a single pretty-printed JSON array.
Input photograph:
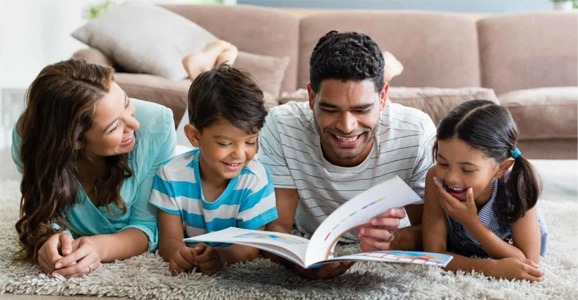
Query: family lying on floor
[{"x": 100, "y": 183}]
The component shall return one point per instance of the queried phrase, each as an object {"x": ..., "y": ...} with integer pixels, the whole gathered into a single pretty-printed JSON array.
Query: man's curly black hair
[{"x": 346, "y": 56}]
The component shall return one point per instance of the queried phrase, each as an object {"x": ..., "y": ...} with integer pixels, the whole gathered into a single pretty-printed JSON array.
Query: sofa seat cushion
[
  {"x": 544, "y": 113},
  {"x": 436, "y": 102}
]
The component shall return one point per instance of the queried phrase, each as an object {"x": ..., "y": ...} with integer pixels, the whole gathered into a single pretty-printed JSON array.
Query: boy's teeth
[{"x": 344, "y": 139}]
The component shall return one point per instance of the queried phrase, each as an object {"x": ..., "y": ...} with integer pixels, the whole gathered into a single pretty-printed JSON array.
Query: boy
[{"x": 218, "y": 185}]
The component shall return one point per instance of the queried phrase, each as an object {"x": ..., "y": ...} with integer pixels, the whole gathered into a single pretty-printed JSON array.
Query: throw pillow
[
  {"x": 268, "y": 71},
  {"x": 144, "y": 38},
  {"x": 436, "y": 102}
]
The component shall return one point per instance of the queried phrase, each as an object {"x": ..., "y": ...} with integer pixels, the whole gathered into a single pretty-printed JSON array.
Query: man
[{"x": 346, "y": 139}]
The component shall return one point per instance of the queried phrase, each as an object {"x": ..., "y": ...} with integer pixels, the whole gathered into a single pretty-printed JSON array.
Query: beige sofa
[{"x": 526, "y": 59}]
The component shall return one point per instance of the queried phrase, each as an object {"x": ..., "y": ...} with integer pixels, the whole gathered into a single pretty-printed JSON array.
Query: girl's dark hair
[
  {"x": 226, "y": 93},
  {"x": 59, "y": 109},
  {"x": 488, "y": 127},
  {"x": 346, "y": 56}
]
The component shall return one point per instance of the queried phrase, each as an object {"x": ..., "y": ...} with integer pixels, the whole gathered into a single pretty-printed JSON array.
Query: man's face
[{"x": 347, "y": 117}]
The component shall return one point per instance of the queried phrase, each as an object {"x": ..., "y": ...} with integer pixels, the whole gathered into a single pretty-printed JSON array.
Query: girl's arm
[
  {"x": 435, "y": 229},
  {"x": 434, "y": 222},
  {"x": 526, "y": 234},
  {"x": 466, "y": 214}
]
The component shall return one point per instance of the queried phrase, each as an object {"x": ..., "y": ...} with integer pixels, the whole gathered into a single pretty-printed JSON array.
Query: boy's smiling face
[{"x": 223, "y": 149}]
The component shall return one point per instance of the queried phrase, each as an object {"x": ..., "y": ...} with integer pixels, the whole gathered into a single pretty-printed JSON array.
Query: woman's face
[{"x": 113, "y": 127}]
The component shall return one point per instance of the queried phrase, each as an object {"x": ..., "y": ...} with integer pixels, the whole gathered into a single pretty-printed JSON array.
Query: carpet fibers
[{"x": 147, "y": 277}]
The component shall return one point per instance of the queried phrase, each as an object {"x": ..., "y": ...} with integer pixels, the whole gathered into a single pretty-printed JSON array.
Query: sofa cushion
[
  {"x": 525, "y": 51},
  {"x": 436, "y": 102},
  {"x": 268, "y": 71},
  {"x": 436, "y": 49},
  {"x": 144, "y": 38},
  {"x": 544, "y": 113}
]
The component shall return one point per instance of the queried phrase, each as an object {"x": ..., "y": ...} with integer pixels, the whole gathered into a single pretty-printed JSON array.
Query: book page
[
  {"x": 396, "y": 256},
  {"x": 289, "y": 246},
  {"x": 358, "y": 210}
]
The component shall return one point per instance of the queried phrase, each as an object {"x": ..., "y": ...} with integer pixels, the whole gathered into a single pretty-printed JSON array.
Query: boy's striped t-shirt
[
  {"x": 247, "y": 202},
  {"x": 289, "y": 146}
]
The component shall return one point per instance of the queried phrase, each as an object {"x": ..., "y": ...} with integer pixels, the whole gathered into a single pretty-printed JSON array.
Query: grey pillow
[{"x": 144, "y": 38}]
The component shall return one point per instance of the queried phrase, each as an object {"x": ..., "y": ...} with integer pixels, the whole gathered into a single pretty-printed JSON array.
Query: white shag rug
[{"x": 147, "y": 277}]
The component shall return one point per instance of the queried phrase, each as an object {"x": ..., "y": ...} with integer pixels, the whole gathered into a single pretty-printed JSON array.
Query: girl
[
  {"x": 88, "y": 155},
  {"x": 475, "y": 206}
]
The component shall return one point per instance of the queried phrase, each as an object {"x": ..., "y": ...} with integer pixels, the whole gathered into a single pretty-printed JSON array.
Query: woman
[{"x": 88, "y": 155}]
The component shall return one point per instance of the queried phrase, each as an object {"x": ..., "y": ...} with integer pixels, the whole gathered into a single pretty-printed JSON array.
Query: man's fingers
[
  {"x": 390, "y": 223},
  {"x": 377, "y": 234},
  {"x": 394, "y": 212}
]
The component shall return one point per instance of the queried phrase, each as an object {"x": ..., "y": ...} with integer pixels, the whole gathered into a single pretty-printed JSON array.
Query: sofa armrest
[
  {"x": 170, "y": 93},
  {"x": 93, "y": 55}
]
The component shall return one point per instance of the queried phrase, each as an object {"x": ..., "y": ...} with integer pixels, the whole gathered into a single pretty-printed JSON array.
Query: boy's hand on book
[
  {"x": 326, "y": 271},
  {"x": 182, "y": 260},
  {"x": 208, "y": 259},
  {"x": 377, "y": 234}
]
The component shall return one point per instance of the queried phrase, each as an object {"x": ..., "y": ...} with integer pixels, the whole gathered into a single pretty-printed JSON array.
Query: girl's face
[
  {"x": 459, "y": 167},
  {"x": 113, "y": 125}
]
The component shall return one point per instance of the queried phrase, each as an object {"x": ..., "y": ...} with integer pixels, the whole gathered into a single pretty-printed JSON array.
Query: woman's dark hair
[
  {"x": 60, "y": 104},
  {"x": 346, "y": 56},
  {"x": 488, "y": 127},
  {"x": 226, "y": 93}
]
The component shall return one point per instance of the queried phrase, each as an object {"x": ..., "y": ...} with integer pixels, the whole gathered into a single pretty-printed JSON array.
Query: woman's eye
[{"x": 115, "y": 128}]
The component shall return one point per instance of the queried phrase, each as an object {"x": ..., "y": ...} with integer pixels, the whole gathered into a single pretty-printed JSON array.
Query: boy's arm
[
  {"x": 286, "y": 200},
  {"x": 171, "y": 246},
  {"x": 238, "y": 253}
]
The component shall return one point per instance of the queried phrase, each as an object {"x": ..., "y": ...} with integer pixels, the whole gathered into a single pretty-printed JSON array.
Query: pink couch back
[
  {"x": 436, "y": 49},
  {"x": 527, "y": 51}
]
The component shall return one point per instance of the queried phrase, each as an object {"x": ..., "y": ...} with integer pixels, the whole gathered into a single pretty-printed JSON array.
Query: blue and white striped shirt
[
  {"x": 247, "y": 202},
  {"x": 461, "y": 242},
  {"x": 289, "y": 147}
]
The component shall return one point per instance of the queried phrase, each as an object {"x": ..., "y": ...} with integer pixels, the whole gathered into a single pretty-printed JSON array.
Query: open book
[{"x": 319, "y": 249}]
